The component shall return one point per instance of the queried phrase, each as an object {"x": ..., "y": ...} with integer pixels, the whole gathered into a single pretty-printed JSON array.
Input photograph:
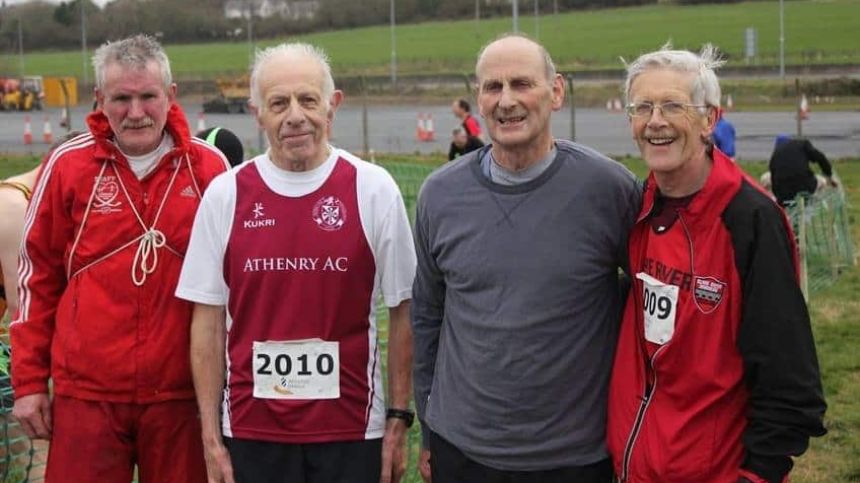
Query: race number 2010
[{"x": 305, "y": 369}]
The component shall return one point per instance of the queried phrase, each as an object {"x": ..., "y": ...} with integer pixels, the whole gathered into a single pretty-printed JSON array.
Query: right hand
[
  {"x": 218, "y": 466},
  {"x": 33, "y": 412},
  {"x": 424, "y": 465}
]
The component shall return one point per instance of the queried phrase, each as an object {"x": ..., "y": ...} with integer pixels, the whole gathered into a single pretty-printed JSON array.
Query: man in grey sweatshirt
[{"x": 516, "y": 299}]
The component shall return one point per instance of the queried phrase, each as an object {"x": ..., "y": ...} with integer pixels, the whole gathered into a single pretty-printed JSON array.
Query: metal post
[
  {"x": 572, "y": 108},
  {"x": 85, "y": 75},
  {"x": 67, "y": 107},
  {"x": 250, "y": 32},
  {"x": 393, "y": 48},
  {"x": 781, "y": 40},
  {"x": 515, "y": 13},
  {"x": 799, "y": 115},
  {"x": 261, "y": 145},
  {"x": 20, "y": 49},
  {"x": 365, "y": 135},
  {"x": 801, "y": 235}
]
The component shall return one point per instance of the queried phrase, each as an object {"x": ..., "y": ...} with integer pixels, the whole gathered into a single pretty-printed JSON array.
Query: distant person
[
  {"x": 104, "y": 239},
  {"x": 724, "y": 136},
  {"x": 790, "y": 172},
  {"x": 463, "y": 111},
  {"x": 716, "y": 377},
  {"x": 226, "y": 142},
  {"x": 462, "y": 143},
  {"x": 516, "y": 297}
]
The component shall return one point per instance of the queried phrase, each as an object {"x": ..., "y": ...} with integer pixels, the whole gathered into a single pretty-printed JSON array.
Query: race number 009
[{"x": 660, "y": 305}]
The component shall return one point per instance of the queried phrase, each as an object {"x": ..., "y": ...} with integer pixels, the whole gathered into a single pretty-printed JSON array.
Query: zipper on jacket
[{"x": 650, "y": 387}]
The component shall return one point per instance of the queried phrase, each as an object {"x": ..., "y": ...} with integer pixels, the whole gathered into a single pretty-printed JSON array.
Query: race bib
[
  {"x": 301, "y": 369},
  {"x": 659, "y": 301}
]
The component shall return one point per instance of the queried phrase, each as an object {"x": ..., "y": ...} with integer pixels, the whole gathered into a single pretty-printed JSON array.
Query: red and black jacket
[{"x": 735, "y": 390}]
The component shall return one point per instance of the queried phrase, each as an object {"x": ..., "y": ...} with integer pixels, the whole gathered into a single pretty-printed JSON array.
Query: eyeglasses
[{"x": 667, "y": 109}]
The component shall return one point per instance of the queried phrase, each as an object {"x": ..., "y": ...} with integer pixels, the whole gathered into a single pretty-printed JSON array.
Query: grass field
[
  {"x": 833, "y": 458},
  {"x": 816, "y": 31}
]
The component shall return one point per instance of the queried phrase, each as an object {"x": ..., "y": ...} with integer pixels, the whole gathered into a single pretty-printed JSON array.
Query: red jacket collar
[
  {"x": 176, "y": 126},
  {"x": 722, "y": 184}
]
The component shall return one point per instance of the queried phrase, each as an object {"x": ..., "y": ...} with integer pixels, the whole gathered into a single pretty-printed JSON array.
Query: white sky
[{"x": 100, "y": 3}]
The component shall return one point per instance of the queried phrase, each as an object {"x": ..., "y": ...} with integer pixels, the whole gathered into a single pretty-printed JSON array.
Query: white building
[{"x": 287, "y": 9}]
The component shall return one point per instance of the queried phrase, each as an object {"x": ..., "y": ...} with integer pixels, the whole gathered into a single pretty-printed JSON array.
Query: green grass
[
  {"x": 816, "y": 31},
  {"x": 832, "y": 458}
]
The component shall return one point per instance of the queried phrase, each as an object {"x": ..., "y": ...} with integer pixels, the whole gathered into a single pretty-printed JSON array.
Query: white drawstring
[
  {"x": 84, "y": 220},
  {"x": 148, "y": 247},
  {"x": 146, "y": 256}
]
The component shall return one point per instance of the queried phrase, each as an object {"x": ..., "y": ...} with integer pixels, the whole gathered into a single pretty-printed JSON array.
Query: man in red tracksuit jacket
[
  {"x": 105, "y": 236},
  {"x": 715, "y": 378}
]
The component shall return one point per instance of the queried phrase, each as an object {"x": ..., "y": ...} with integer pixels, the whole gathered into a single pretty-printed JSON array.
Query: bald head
[
  {"x": 514, "y": 46},
  {"x": 518, "y": 90}
]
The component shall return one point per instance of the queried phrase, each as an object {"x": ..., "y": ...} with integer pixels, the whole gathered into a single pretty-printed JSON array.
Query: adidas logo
[{"x": 188, "y": 192}]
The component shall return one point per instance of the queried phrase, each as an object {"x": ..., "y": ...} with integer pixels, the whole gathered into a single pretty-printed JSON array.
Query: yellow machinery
[
  {"x": 60, "y": 91},
  {"x": 232, "y": 96},
  {"x": 24, "y": 94}
]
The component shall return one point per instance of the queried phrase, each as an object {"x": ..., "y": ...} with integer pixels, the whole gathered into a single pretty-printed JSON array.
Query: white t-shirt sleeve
[
  {"x": 395, "y": 254},
  {"x": 202, "y": 277},
  {"x": 388, "y": 232}
]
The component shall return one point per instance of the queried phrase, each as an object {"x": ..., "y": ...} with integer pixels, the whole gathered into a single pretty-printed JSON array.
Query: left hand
[{"x": 393, "y": 451}]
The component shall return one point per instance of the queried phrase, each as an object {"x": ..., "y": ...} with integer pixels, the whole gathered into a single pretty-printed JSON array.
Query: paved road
[{"x": 391, "y": 128}]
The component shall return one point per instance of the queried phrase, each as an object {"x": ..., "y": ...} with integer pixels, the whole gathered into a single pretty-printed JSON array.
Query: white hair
[
  {"x": 705, "y": 89},
  {"x": 290, "y": 51},
  {"x": 135, "y": 52}
]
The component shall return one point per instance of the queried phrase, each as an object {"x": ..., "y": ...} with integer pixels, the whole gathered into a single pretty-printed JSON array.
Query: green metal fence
[
  {"x": 19, "y": 461},
  {"x": 823, "y": 233},
  {"x": 409, "y": 178}
]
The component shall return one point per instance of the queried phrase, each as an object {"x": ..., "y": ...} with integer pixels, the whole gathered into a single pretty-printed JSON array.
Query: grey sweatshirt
[{"x": 516, "y": 306}]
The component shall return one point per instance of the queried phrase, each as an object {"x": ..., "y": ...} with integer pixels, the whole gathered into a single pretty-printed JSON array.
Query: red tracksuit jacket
[
  {"x": 727, "y": 381},
  {"x": 83, "y": 320}
]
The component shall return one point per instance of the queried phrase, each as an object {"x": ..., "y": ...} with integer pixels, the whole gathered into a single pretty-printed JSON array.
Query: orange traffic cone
[
  {"x": 28, "y": 133},
  {"x": 803, "y": 109},
  {"x": 429, "y": 130},
  {"x": 730, "y": 104},
  {"x": 201, "y": 122},
  {"x": 420, "y": 132},
  {"x": 47, "y": 135}
]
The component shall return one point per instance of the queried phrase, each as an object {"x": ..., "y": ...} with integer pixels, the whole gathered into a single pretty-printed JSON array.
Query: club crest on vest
[
  {"x": 708, "y": 293},
  {"x": 329, "y": 213},
  {"x": 105, "y": 196}
]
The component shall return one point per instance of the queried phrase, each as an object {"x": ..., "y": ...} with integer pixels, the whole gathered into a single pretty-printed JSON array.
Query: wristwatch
[{"x": 406, "y": 415}]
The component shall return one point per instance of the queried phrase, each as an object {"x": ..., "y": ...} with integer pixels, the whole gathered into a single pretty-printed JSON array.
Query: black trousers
[
  {"x": 265, "y": 462},
  {"x": 449, "y": 465}
]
